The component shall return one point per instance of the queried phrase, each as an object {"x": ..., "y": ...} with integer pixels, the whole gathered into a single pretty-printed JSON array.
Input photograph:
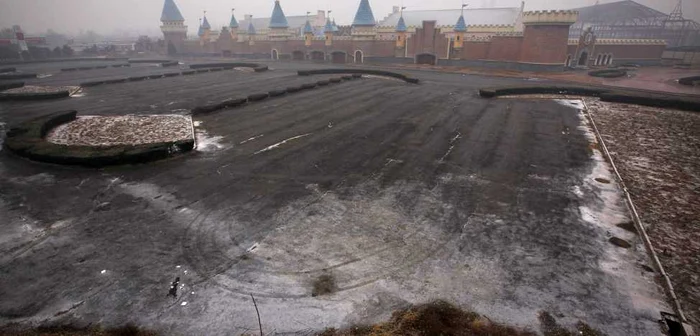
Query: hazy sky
[{"x": 107, "y": 16}]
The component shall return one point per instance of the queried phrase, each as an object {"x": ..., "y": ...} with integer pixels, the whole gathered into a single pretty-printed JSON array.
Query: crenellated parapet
[{"x": 553, "y": 17}]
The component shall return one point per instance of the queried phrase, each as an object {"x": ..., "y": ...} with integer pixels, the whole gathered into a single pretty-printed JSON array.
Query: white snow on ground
[
  {"x": 271, "y": 147},
  {"x": 603, "y": 207},
  {"x": 207, "y": 143}
]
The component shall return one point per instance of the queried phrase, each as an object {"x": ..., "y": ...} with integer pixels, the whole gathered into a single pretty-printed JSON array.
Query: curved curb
[
  {"x": 17, "y": 75},
  {"x": 689, "y": 81},
  {"x": 153, "y": 76},
  {"x": 6, "y": 70},
  {"x": 205, "y": 109},
  {"x": 652, "y": 99},
  {"x": 359, "y": 72},
  {"x": 608, "y": 73},
  {"x": 255, "y": 66},
  {"x": 95, "y": 67},
  {"x": 27, "y": 96},
  {"x": 27, "y": 140}
]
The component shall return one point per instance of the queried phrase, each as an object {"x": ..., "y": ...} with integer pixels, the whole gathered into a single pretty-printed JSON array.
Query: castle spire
[
  {"x": 364, "y": 16},
  {"x": 234, "y": 22},
  {"x": 461, "y": 25},
  {"x": 401, "y": 25},
  {"x": 205, "y": 22},
  {"x": 278, "y": 20},
  {"x": 171, "y": 12}
]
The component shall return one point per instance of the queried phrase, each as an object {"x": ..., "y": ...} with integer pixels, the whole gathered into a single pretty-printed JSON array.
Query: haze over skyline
[{"x": 142, "y": 16}]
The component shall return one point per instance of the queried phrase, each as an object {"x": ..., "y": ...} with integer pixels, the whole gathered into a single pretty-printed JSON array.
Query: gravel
[
  {"x": 658, "y": 154},
  {"x": 122, "y": 130}
]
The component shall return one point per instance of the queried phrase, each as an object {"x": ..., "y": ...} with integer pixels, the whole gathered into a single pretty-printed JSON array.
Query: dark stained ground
[{"x": 399, "y": 193}]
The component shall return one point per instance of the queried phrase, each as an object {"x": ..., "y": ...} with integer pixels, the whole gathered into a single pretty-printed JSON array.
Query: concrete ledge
[
  {"x": 335, "y": 80},
  {"x": 27, "y": 140},
  {"x": 26, "y": 96},
  {"x": 359, "y": 72},
  {"x": 16, "y": 75},
  {"x": 258, "y": 96},
  {"x": 276, "y": 93},
  {"x": 653, "y": 99},
  {"x": 6, "y": 70},
  {"x": 77, "y": 59}
]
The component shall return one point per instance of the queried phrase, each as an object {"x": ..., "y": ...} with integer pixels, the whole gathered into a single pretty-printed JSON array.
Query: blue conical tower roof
[
  {"x": 461, "y": 26},
  {"x": 307, "y": 28},
  {"x": 205, "y": 23},
  {"x": 234, "y": 22},
  {"x": 278, "y": 20},
  {"x": 401, "y": 26},
  {"x": 171, "y": 12},
  {"x": 251, "y": 28},
  {"x": 335, "y": 26},
  {"x": 364, "y": 16},
  {"x": 328, "y": 28},
  {"x": 200, "y": 32}
]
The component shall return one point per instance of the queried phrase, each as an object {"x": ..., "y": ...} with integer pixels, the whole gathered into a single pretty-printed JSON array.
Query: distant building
[
  {"x": 630, "y": 20},
  {"x": 496, "y": 37}
]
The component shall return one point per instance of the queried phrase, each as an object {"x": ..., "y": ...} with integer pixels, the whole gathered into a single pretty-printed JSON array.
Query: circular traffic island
[{"x": 98, "y": 141}]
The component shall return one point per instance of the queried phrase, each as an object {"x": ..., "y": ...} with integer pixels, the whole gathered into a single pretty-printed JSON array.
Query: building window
[{"x": 457, "y": 37}]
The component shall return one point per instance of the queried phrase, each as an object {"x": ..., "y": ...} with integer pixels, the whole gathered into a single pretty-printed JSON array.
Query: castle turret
[
  {"x": 401, "y": 32},
  {"x": 328, "y": 32},
  {"x": 173, "y": 28},
  {"x": 363, "y": 26},
  {"x": 204, "y": 30},
  {"x": 279, "y": 28},
  {"x": 460, "y": 29},
  {"x": 308, "y": 33},
  {"x": 251, "y": 32},
  {"x": 233, "y": 27}
]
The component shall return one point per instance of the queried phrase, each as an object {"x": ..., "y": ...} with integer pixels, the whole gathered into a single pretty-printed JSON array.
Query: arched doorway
[
  {"x": 339, "y": 57},
  {"x": 298, "y": 55},
  {"x": 610, "y": 59},
  {"x": 583, "y": 60},
  {"x": 429, "y": 59},
  {"x": 359, "y": 56},
  {"x": 318, "y": 56},
  {"x": 275, "y": 55},
  {"x": 568, "y": 60}
]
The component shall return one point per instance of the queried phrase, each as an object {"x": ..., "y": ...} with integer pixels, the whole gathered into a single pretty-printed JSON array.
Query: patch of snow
[
  {"x": 206, "y": 143},
  {"x": 252, "y": 138},
  {"x": 269, "y": 148},
  {"x": 184, "y": 303}
]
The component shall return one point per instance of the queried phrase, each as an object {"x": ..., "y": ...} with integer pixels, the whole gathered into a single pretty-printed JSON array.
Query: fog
[{"x": 142, "y": 16}]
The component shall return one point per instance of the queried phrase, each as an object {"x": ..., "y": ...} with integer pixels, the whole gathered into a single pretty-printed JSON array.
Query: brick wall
[
  {"x": 505, "y": 48},
  {"x": 631, "y": 52},
  {"x": 475, "y": 50},
  {"x": 546, "y": 44}
]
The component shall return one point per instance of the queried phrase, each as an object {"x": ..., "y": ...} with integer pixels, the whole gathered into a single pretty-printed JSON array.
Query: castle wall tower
[
  {"x": 546, "y": 35},
  {"x": 279, "y": 28},
  {"x": 308, "y": 33},
  {"x": 460, "y": 29},
  {"x": 233, "y": 27},
  {"x": 251, "y": 33},
  {"x": 363, "y": 26},
  {"x": 205, "y": 30},
  {"x": 173, "y": 28},
  {"x": 328, "y": 32},
  {"x": 401, "y": 33}
]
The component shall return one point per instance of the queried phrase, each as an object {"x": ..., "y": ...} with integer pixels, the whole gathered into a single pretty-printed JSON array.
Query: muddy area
[{"x": 657, "y": 152}]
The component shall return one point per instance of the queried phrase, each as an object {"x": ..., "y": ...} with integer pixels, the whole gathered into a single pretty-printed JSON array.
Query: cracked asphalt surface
[{"x": 401, "y": 193}]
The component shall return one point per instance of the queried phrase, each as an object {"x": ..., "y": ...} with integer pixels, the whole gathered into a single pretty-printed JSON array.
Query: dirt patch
[
  {"x": 122, "y": 130},
  {"x": 620, "y": 242},
  {"x": 657, "y": 152},
  {"x": 325, "y": 284},
  {"x": 442, "y": 318}
]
